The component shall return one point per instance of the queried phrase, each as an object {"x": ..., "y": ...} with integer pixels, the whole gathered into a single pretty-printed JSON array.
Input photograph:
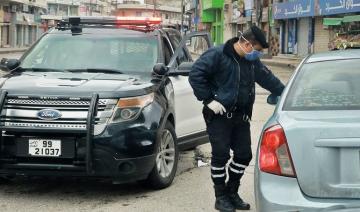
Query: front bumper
[
  {"x": 277, "y": 193},
  {"x": 123, "y": 153}
]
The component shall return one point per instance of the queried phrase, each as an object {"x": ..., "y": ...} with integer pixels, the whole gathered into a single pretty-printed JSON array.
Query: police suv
[{"x": 101, "y": 97}]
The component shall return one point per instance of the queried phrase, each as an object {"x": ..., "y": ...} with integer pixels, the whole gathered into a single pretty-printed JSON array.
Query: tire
[{"x": 162, "y": 176}]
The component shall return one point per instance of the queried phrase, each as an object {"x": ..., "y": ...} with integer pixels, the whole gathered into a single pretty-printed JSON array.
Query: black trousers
[{"x": 229, "y": 131}]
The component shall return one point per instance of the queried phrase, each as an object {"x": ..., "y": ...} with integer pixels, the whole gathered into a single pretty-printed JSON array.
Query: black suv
[{"x": 101, "y": 97}]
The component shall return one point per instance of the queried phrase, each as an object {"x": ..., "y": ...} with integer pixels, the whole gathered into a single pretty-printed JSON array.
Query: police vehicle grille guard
[
  {"x": 89, "y": 131},
  {"x": 23, "y": 112}
]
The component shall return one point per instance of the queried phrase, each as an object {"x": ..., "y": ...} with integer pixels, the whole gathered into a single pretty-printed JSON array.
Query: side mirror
[
  {"x": 160, "y": 69},
  {"x": 9, "y": 64},
  {"x": 272, "y": 99},
  {"x": 182, "y": 70}
]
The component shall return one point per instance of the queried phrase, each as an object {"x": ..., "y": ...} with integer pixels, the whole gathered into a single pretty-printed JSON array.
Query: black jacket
[{"x": 215, "y": 76}]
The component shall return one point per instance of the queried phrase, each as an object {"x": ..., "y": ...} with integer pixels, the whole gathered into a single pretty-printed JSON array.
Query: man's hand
[{"x": 216, "y": 107}]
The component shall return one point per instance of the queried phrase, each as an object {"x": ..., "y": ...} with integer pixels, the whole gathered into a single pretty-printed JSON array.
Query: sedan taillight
[{"x": 274, "y": 154}]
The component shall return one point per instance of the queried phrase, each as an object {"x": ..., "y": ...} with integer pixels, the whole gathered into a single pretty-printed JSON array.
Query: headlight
[{"x": 129, "y": 108}]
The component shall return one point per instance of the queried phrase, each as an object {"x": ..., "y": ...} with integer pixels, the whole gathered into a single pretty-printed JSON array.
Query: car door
[{"x": 188, "y": 110}]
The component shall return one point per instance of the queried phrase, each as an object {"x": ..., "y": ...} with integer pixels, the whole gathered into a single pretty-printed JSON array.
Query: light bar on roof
[{"x": 138, "y": 20}]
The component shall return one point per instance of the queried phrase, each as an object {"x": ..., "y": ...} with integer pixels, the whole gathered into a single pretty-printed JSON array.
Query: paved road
[{"x": 191, "y": 190}]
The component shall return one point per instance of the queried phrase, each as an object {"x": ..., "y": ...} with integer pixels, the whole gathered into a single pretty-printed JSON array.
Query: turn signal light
[
  {"x": 130, "y": 108},
  {"x": 139, "y": 101},
  {"x": 274, "y": 156}
]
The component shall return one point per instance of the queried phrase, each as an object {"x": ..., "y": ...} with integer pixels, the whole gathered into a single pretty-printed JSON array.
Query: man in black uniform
[{"x": 224, "y": 79}]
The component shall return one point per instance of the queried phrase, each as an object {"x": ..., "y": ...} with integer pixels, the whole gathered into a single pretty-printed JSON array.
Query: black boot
[
  {"x": 222, "y": 202},
  {"x": 232, "y": 189}
]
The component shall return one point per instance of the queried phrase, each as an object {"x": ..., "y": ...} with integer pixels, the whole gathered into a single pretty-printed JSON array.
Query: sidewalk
[
  {"x": 283, "y": 61},
  {"x": 12, "y": 50}
]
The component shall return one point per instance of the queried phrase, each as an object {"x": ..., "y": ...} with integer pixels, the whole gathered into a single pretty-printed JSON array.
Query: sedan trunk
[{"x": 325, "y": 148}]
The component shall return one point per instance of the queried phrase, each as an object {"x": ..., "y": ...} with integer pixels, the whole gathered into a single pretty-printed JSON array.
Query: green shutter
[
  {"x": 207, "y": 16},
  {"x": 332, "y": 21},
  {"x": 212, "y": 4}
]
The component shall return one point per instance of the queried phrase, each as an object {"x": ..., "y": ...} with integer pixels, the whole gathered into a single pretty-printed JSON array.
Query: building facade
[
  {"x": 241, "y": 14},
  {"x": 57, "y": 9},
  {"x": 20, "y": 22},
  {"x": 311, "y": 26},
  {"x": 169, "y": 14},
  {"x": 5, "y": 21},
  {"x": 95, "y": 7},
  {"x": 191, "y": 19},
  {"x": 212, "y": 16}
]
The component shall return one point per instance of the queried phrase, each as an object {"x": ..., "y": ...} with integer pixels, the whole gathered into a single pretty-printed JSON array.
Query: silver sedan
[{"x": 308, "y": 158}]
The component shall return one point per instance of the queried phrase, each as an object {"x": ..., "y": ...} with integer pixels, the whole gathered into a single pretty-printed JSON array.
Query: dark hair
[{"x": 249, "y": 36}]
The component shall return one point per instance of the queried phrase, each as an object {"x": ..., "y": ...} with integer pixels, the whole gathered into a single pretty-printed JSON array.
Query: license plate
[{"x": 45, "y": 147}]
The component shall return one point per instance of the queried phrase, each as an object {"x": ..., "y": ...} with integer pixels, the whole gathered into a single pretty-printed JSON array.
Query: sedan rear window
[{"x": 327, "y": 85}]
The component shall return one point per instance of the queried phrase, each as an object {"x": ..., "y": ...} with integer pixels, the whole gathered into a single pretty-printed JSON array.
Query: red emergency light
[
  {"x": 143, "y": 24},
  {"x": 139, "y": 21}
]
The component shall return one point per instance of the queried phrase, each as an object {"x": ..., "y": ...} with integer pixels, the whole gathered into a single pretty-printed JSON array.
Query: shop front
[
  {"x": 341, "y": 21},
  {"x": 295, "y": 26},
  {"x": 5, "y": 18}
]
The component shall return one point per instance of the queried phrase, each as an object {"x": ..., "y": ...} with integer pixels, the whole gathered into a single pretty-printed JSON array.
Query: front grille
[
  {"x": 102, "y": 102},
  {"x": 23, "y": 112}
]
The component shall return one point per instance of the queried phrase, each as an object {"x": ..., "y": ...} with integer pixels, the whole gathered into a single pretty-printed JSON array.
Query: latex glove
[{"x": 216, "y": 107}]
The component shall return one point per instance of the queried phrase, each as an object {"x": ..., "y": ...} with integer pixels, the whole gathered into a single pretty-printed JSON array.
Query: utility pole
[
  {"x": 182, "y": 16},
  {"x": 90, "y": 8},
  {"x": 259, "y": 9},
  {"x": 154, "y": 8},
  {"x": 196, "y": 15}
]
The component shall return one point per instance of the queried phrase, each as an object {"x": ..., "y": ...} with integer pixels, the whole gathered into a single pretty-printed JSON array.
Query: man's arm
[
  {"x": 200, "y": 73},
  {"x": 266, "y": 79}
]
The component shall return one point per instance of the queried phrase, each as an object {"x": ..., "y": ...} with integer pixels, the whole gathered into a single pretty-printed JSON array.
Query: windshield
[
  {"x": 67, "y": 52},
  {"x": 328, "y": 85}
]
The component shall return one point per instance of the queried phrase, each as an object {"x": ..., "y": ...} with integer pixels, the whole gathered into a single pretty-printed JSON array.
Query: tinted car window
[
  {"x": 64, "y": 51},
  {"x": 167, "y": 51},
  {"x": 175, "y": 40},
  {"x": 328, "y": 85}
]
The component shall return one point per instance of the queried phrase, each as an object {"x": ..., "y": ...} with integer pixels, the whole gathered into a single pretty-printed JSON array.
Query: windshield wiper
[
  {"x": 41, "y": 69},
  {"x": 96, "y": 70}
]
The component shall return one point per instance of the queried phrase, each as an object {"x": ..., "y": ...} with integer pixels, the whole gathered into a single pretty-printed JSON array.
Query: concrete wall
[
  {"x": 228, "y": 28},
  {"x": 129, "y": 12}
]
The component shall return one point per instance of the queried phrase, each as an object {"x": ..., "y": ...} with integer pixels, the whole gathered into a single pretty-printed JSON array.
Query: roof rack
[{"x": 143, "y": 24}]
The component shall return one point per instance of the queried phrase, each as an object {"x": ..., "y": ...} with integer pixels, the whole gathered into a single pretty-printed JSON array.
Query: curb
[{"x": 9, "y": 51}]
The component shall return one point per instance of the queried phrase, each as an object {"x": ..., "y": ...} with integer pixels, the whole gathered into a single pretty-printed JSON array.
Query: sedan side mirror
[
  {"x": 160, "y": 69},
  {"x": 9, "y": 64},
  {"x": 272, "y": 99}
]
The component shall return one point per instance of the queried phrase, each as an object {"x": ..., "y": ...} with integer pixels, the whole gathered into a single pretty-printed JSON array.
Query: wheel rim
[{"x": 166, "y": 154}]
